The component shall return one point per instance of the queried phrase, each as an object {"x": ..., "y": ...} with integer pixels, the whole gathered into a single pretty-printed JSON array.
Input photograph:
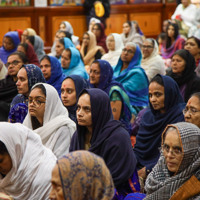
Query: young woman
[
  {"x": 166, "y": 105},
  {"x": 70, "y": 91},
  {"x": 49, "y": 118},
  {"x": 183, "y": 72},
  {"x": 72, "y": 63},
  {"x": 100, "y": 134},
  {"x": 130, "y": 34},
  {"x": 177, "y": 173},
  {"x": 25, "y": 163},
  {"x": 174, "y": 41},
  {"x": 82, "y": 171}
]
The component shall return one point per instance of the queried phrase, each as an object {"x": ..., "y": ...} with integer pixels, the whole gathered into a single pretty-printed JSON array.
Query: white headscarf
[
  {"x": 154, "y": 64},
  {"x": 32, "y": 163},
  {"x": 58, "y": 128},
  {"x": 113, "y": 56},
  {"x": 133, "y": 36}
]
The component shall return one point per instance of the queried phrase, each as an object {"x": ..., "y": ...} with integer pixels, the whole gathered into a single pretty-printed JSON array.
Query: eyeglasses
[
  {"x": 15, "y": 62},
  {"x": 176, "y": 151},
  {"x": 84, "y": 38},
  {"x": 128, "y": 51},
  {"x": 191, "y": 111},
  {"x": 148, "y": 47},
  {"x": 36, "y": 101}
]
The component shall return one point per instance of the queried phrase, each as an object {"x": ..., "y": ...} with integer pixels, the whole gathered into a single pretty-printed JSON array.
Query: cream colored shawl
[{"x": 32, "y": 163}]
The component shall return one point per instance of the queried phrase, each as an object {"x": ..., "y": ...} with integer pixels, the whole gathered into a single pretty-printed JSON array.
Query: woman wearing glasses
[
  {"x": 177, "y": 173},
  {"x": 48, "y": 117},
  {"x": 192, "y": 110},
  {"x": 152, "y": 62},
  {"x": 130, "y": 74}
]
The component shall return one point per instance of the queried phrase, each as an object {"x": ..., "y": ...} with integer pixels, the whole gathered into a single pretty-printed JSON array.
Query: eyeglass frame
[
  {"x": 173, "y": 151},
  {"x": 36, "y": 101},
  {"x": 191, "y": 111},
  {"x": 15, "y": 63},
  {"x": 128, "y": 51}
]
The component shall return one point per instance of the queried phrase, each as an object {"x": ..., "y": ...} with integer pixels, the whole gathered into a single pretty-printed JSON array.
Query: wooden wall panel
[
  {"x": 115, "y": 23},
  {"x": 13, "y": 23},
  {"x": 78, "y": 23},
  {"x": 150, "y": 23}
]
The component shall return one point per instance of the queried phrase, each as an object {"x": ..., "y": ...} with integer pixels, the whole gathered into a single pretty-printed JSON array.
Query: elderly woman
[
  {"x": 25, "y": 163},
  {"x": 115, "y": 45},
  {"x": 71, "y": 88},
  {"x": 166, "y": 105},
  {"x": 97, "y": 132},
  {"x": 129, "y": 73},
  {"x": 27, "y": 76},
  {"x": 183, "y": 72},
  {"x": 81, "y": 175},
  {"x": 192, "y": 110},
  {"x": 177, "y": 173},
  {"x": 152, "y": 62},
  {"x": 130, "y": 34},
  {"x": 49, "y": 118},
  {"x": 9, "y": 45}
]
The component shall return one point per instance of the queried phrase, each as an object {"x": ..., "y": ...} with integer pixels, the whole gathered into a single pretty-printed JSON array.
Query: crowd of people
[{"x": 105, "y": 117}]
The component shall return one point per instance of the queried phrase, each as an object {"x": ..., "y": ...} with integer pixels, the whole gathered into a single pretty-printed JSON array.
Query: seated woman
[
  {"x": 52, "y": 71},
  {"x": 191, "y": 111},
  {"x": 89, "y": 49},
  {"x": 96, "y": 180},
  {"x": 101, "y": 74},
  {"x": 173, "y": 43},
  {"x": 62, "y": 44},
  {"x": 152, "y": 62},
  {"x": 130, "y": 34},
  {"x": 72, "y": 63},
  {"x": 49, "y": 118},
  {"x": 99, "y": 31},
  {"x": 25, "y": 163},
  {"x": 28, "y": 50},
  {"x": 115, "y": 45},
  {"x": 71, "y": 88},
  {"x": 9, "y": 45},
  {"x": 27, "y": 76},
  {"x": 92, "y": 22},
  {"x": 66, "y": 26},
  {"x": 183, "y": 72},
  {"x": 166, "y": 105},
  {"x": 177, "y": 173},
  {"x": 132, "y": 76},
  {"x": 100, "y": 134},
  {"x": 38, "y": 45},
  {"x": 27, "y": 32}
]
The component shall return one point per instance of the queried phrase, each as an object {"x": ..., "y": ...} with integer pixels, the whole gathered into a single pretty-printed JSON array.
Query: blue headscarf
[
  {"x": 68, "y": 43},
  {"x": 153, "y": 123},
  {"x": 57, "y": 75},
  {"x": 109, "y": 86},
  {"x": 34, "y": 75},
  {"x": 5, "y": 53},
  {"x": 80, "y": 84},
  {"x": 133, "y": 79},
  {"x": 76, "y": 65}
]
